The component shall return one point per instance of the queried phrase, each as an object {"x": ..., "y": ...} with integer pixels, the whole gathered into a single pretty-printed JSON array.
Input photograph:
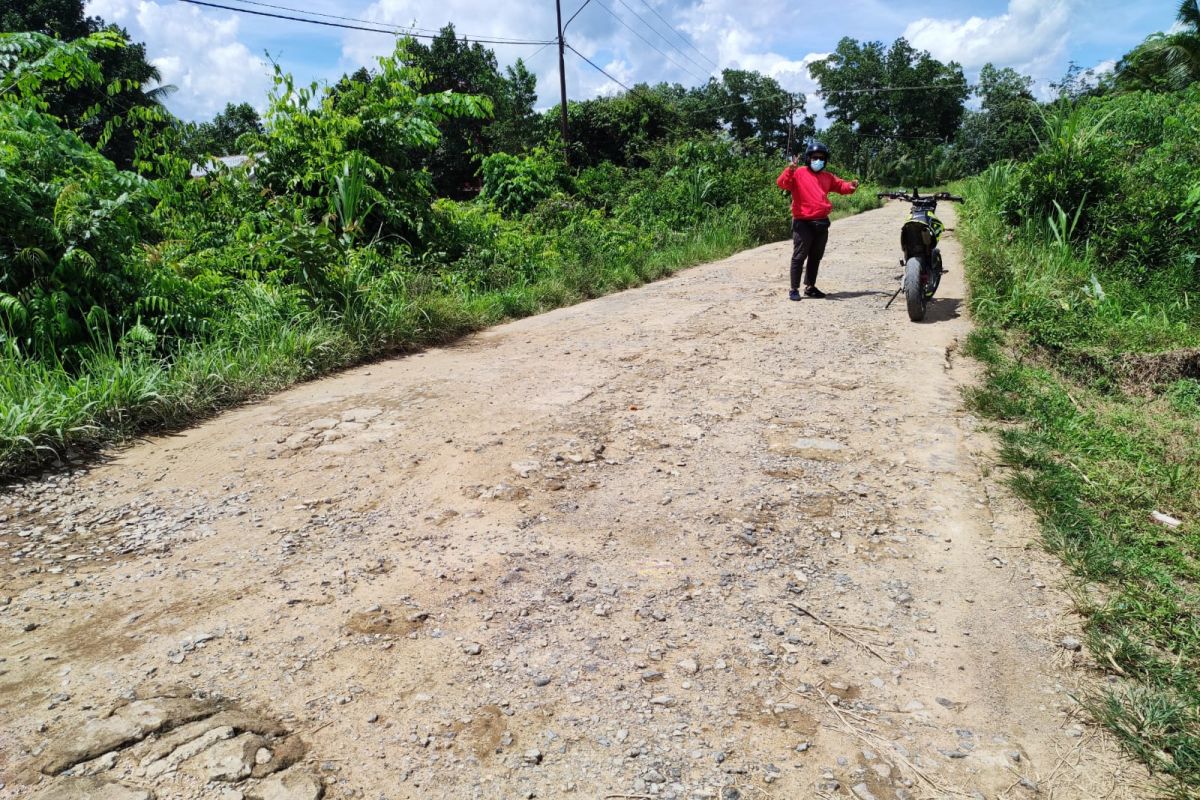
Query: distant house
[{"x": 220, "y": 163}]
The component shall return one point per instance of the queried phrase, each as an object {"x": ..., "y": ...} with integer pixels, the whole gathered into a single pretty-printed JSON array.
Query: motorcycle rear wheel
[{"x": 914, "y": 291}]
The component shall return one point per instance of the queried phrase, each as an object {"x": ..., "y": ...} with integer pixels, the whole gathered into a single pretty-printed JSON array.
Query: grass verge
[{"x": 1097, "y": 457}]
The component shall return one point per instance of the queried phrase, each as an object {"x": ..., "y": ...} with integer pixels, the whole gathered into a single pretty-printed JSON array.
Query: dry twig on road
[
  {"x": 840, "y": 632},
  {"x": 886, "y": 751}
]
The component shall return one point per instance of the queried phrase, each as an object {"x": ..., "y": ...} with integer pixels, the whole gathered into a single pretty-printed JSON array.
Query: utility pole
[
  {"x": 562, "y": 80},
  {"x": 791, "y": 127}
]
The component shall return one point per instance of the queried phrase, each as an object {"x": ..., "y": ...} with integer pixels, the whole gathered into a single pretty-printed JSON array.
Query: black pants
[{"x": 808, "y": 242}]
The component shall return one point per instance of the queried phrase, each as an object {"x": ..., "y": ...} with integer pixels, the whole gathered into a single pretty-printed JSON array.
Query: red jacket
[{"x": 810, "y": 189}]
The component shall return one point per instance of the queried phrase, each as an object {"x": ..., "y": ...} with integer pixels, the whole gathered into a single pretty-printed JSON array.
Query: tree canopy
[
  {"x": 889, "y": 104},
  {"x": 1003, "y": 127},
  {"x": 219, "y": 136},
  {"x": 458, "y": 65},
  {"x": 748, "y": 106},
  {"x": 96, "y": 109},
  {"x": 1165, "y": 61},
  {"x": 894, "y": 93}
]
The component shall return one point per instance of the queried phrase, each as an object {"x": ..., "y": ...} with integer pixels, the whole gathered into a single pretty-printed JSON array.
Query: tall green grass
[{"x": 1096, "y": 453}]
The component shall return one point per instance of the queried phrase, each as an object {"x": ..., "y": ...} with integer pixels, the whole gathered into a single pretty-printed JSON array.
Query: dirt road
[{"x": 688, "y": 541}]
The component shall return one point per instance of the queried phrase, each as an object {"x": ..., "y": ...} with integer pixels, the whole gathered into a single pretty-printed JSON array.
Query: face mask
[{"x": 817, "y": 165}]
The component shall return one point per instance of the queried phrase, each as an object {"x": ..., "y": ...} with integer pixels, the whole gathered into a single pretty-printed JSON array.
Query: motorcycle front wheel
[{"x": 914, "y": 290}]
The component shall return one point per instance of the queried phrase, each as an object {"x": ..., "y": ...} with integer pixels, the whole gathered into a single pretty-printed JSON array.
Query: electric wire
[
  {"x": 535, "y": 53},
  {"x": 398, "y": 28},
  {"x": 682, "y": 38},
  {"x": 648, "y": 42},
  {"x": 576, "y": 14},
  {"x": 871, "y": 89},
  {"x": 347, "y": 26},
  {"x": 542, "y": 44},
  {"x": 668, "y": 42},
  {"x": 597, "y": 67}
]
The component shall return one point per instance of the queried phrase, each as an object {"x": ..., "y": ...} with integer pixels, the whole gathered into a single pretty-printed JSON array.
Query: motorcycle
[{"x": 922, "y": 261}]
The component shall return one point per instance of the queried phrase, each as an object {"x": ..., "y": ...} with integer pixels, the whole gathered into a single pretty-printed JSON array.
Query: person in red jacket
[{"x": 810, "y": 186}]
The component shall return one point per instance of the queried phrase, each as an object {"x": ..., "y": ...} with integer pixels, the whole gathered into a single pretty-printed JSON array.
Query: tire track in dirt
[{"x": 686, "y": 541}]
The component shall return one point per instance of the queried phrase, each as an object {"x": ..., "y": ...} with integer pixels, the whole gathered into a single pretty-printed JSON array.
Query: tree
[
  {"x": 354, "y": 151},
  {"x": 896, "y": 102},
  {"x": 457, "y": 65},
  {"x": 898, "y": 93},
  {"x": 67, "y": 215},
  {"x": 99, "y": 111},
  {"x": 513, "y": 129},
  {"x": 620, "y": 128},
  {"x": 62, "y": 19},
  {"x": 755, "y": 107},
  {"x": 1165, "y": 61},
  {"x": 700, "y": 107},
  {"x": 1003, "y": 127},
  {"x": 1078, "y": 83},
  {"x": 751, "y": 107},
  {"x": 219, "y": 136}
]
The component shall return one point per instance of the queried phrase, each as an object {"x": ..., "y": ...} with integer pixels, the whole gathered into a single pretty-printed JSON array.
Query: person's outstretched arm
[{"x": 842, "y": 187}]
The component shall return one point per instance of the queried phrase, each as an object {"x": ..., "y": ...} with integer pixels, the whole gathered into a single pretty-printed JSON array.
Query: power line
[
  {"x": 677, "y": 33},
  {"x": 541, "y": 43},
  {"x": 668, "y": 42},
  {"x": 634, "y": 90},
  {"x": 356, "y": 27},
  {"x": 598, "y": 68},
  {"x": 648, "y": 42},
  {"x": 869, "y": 90},
  {"x": 398, "y": 28},
  {"x": 576, "y": 14}
]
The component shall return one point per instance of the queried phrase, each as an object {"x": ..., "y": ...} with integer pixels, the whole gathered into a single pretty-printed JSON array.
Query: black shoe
[
  {"x": 794, "y": 294},
  {"x": 812, "y": 291}
]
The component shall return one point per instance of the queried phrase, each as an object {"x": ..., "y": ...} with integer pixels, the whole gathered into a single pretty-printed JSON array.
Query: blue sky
[{"x": 215, "y": 56}]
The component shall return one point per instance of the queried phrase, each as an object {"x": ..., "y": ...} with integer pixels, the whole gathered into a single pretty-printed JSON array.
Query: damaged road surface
[
  {"x": 192, "y": 745},
  {"x": 687, "y": 541}
]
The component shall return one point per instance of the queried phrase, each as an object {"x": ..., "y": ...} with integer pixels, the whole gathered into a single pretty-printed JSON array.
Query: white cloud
[
  {"x": 1030, "y": 36},
  {"x": 594, "y": 33},
  {"x": 196, "y": 50},
  {"x": 792, "y": 75}
]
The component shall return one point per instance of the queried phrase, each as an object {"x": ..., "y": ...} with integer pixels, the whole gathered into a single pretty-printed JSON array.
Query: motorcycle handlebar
[{"x": 914, "y": 197}]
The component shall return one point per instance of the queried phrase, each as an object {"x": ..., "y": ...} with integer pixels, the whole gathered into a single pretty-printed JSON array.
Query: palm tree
[
  {"x": 156, "y": 96},
  {"x": 1165, "y": 61}
]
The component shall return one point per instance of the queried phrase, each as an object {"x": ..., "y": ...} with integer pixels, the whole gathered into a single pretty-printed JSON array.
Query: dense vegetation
[{"x": 1084, "y": 263}]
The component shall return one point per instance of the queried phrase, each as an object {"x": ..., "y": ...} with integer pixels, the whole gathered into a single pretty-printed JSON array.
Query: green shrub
[
  {"x": 515, "y": 184},
  {"x": 1068, "y": 297},
  {"x": 605, "y": 185},
  {"x": 1121, "y": 168},
  {"x": 72, "y": 222}
]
